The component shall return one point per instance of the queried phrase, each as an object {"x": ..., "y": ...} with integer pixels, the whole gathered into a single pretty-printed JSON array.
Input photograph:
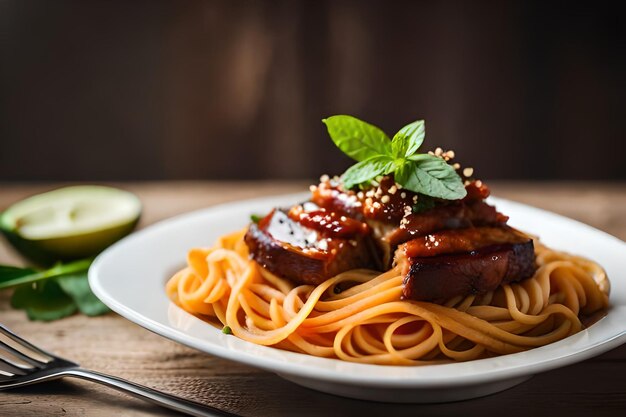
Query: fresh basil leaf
[
  {"x": 420, "y": 157},
  {"x": 356, "y": 138},
  {"x": 377, "y": 155},
  {"x": 44, "y": 301},
  {"x": 367, "y": 170},
  {"x": 434, "y": 177},
  {"x": 408, "y": 139},
  {"x": 403, "y": 172},
  {"x": 77, "y": 287}
]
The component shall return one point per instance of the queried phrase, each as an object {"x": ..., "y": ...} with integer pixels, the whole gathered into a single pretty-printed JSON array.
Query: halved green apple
[{"x": 70, "y": 223}]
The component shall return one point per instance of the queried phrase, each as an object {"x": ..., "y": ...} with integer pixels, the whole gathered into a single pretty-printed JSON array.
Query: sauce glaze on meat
[{"x": 444, "y": 248}]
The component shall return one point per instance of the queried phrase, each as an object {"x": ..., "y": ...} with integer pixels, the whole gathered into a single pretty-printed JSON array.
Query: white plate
[{"x": 130, "y": 277}]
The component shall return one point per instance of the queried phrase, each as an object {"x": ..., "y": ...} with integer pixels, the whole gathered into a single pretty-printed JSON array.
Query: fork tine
[
  {"x": 21, "y": 356},
  {"x": 11, "y": 358},
  {"x": 35, "y": 360},
  {"x": 7, "y": 366}
]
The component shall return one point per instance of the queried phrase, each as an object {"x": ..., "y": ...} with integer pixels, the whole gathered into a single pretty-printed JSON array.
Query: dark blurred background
[{"x": 133, "y": 90}]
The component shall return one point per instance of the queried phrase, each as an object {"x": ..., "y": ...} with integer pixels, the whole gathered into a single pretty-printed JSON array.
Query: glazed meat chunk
[
  {"x": 309, "y": 247},
  {"x": 463, "y": 262}
]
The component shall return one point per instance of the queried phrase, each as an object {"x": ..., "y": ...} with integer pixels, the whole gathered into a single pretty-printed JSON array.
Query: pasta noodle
[{"x": 369, "y": 322}]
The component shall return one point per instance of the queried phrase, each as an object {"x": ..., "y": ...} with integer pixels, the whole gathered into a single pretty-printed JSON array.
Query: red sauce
[
  {"x": 328, "y": 223},
  {"x": 476, "y": 191},
  {"x": 327, "y": 195},
  {"x": 460, "y": 241},
  {"x": 387, "y": 202}
]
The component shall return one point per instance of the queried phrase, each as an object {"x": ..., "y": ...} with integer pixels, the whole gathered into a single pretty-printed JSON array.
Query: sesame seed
[
  {"x": 438, "y": 151},
  {"x": 376, "y": 204},
  {"x": 479, "y": 183},
  {"x": 368, "y": 201},
  {"x": 403, "y": 194},
  {"x": 415, "y": 198},
  {"x": 324, "y": 178},
  {"x": 456, "y": 165},
  {"x": 393, "y": 189},
  {"x": 360, "y": 195},
  {"x": 468, "y": 172},
  {"x": 343, "y": 218},
  {"x": 312, "y": 188},
  {"x": 451, "y": 154},
  {"x": 385, "y": 199}
]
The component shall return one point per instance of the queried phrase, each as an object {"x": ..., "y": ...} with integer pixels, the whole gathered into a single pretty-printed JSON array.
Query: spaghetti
[{"x": 369, "y": 322}]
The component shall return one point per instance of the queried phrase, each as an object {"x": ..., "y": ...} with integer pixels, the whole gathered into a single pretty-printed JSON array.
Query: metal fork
[{"x": 22, "y": 363}]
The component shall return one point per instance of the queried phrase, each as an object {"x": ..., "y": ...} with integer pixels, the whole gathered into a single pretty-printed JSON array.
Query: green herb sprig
[
  {"x": 53, "y": 293},
  {"x": 376, "y": 155}
]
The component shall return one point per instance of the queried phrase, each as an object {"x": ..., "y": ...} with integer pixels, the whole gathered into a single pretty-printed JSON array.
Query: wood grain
[{"x": 114, "y": 345}]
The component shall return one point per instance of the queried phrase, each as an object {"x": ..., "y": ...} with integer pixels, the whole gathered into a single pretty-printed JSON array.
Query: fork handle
[{"x": 151, "y": 395}]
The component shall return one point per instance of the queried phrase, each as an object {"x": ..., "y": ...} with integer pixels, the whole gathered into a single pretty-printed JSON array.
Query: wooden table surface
[{"x": 114, "y": 345}]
